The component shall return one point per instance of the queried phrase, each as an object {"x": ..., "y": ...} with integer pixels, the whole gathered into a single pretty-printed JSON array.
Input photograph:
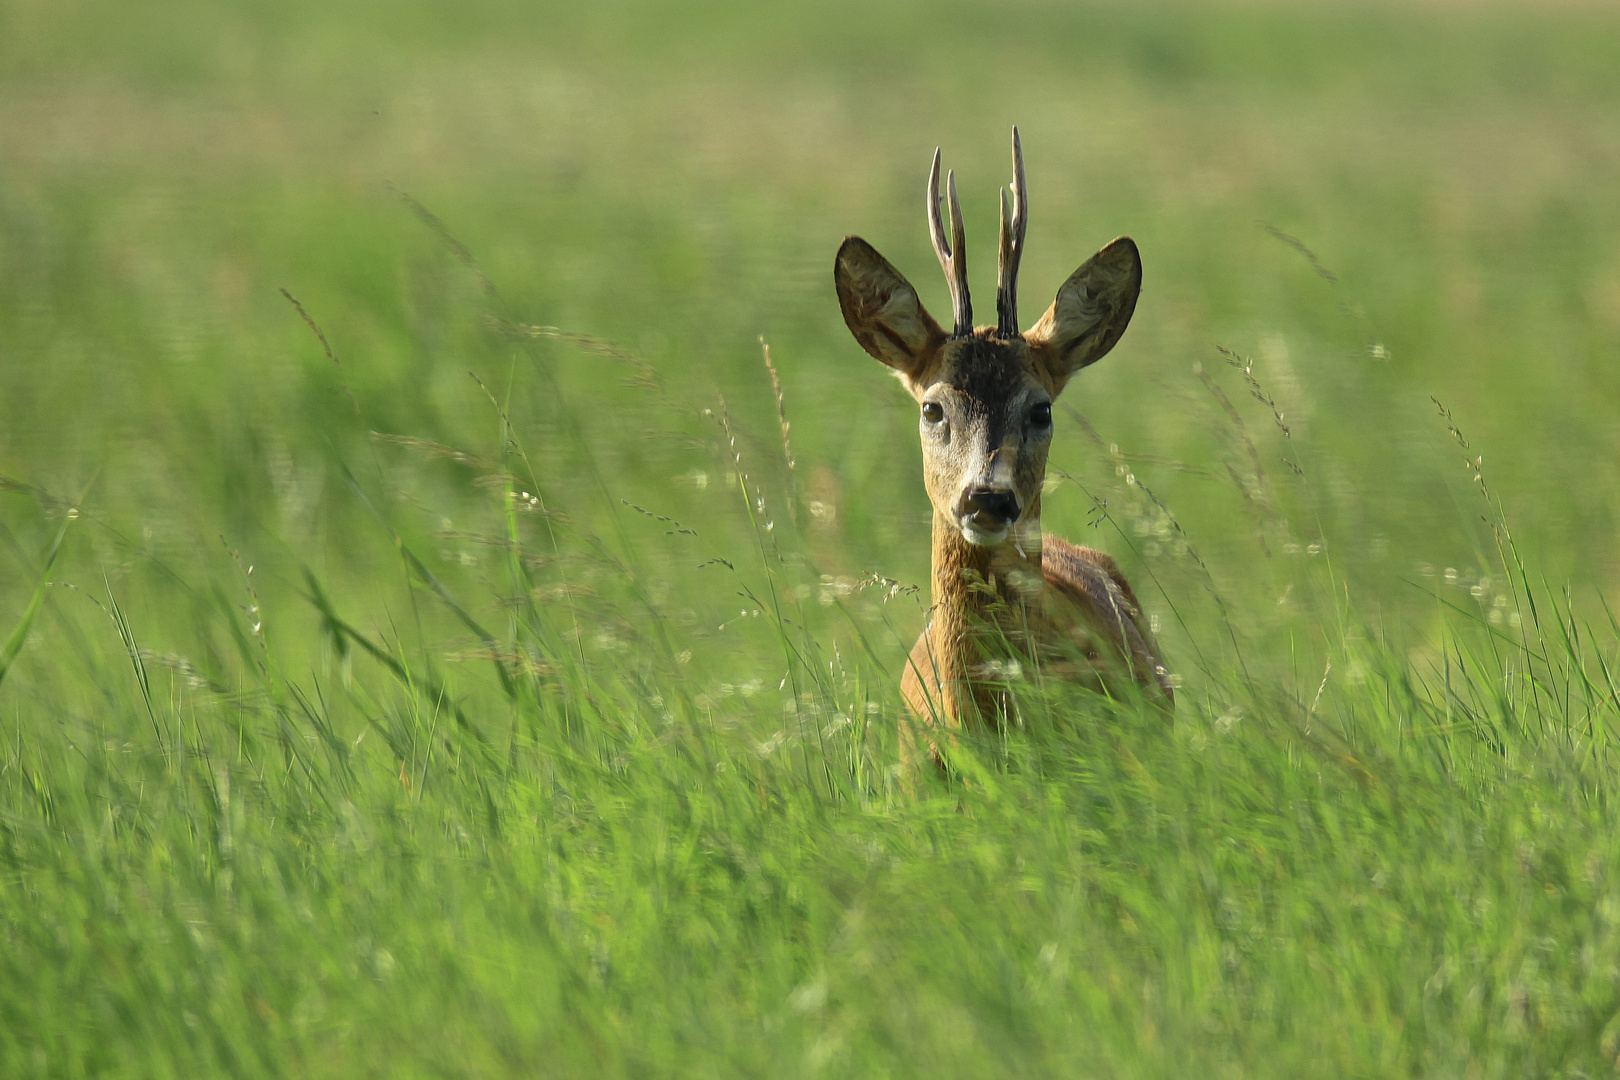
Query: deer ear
[
  {"x": 1090, "y": 313},
  {"x": 882, "y": 309}
]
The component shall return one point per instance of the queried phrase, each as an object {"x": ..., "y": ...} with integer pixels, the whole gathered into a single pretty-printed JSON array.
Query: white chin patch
[{"x": 983, "y": 537}]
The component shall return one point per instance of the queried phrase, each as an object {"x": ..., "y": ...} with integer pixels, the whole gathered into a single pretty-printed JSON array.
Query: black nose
[{"x": 991, "y": 508}]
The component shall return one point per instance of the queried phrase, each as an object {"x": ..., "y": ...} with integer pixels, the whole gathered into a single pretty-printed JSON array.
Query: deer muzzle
[{"x": 986, "y": 513}]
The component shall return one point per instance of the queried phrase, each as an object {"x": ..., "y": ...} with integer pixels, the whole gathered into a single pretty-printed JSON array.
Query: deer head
[{"x": 986, "y": 394}]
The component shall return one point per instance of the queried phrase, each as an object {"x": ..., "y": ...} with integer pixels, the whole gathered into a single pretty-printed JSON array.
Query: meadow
[{"x": 455, "y": 564}]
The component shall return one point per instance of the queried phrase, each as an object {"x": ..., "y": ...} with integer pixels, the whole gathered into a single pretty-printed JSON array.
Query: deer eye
[
  {"x": 933, "y": 412},
  {"x": 1041, "y": 415}
]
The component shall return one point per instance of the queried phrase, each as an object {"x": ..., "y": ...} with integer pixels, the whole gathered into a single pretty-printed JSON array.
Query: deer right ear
[
  {"x": 882, "y": 310},
  {"x": 1091, "y": 311}
]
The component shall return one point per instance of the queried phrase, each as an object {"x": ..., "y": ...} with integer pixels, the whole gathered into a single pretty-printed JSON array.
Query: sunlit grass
[{"x": 435, "y": 641}]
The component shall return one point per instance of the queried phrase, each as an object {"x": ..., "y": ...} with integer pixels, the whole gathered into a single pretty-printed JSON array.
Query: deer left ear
[
  {"x": 1090, "y": 313},
  {"x": 882, "y": 310}
]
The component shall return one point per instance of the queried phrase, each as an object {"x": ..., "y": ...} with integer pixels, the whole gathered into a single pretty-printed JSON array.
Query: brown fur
[{"x": 1085, "y": 625}]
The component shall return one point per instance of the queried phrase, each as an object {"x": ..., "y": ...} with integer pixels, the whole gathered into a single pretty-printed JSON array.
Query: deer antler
[
  {"x": 1013, "y": 224},
  {"x": 952, "y": 256}
]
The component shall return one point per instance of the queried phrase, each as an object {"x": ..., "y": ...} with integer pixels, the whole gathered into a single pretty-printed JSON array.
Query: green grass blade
[{"x": 14, "y": 642}]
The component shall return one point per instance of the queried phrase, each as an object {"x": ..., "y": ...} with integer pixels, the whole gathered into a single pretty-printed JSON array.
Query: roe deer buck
[{"x": 986, "y": 398}]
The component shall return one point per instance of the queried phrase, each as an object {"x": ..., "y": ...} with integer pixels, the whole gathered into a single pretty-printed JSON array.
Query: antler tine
[
  {"x": 1007, "y": 274},
  {"x": 960, "y": 301},
  {"x": 936, "y": 227},
  {"x": 953, "y": 255},
  {"x": 1013, "y": 225}
]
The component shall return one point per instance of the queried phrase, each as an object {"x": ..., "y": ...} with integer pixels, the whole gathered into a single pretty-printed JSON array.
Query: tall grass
[
  {"x": 513, "y": 824},
  {"x": 435, "y": 640}
]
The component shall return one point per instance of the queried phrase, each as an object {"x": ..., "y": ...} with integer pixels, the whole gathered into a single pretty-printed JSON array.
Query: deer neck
[{"x": 978, "y": 586}]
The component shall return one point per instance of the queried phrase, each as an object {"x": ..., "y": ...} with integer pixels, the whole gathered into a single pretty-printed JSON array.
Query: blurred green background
[{"x": 541, "y": 473}]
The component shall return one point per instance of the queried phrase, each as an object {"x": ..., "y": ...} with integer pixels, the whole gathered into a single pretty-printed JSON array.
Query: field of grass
[{"x": 429, "y": 646}]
